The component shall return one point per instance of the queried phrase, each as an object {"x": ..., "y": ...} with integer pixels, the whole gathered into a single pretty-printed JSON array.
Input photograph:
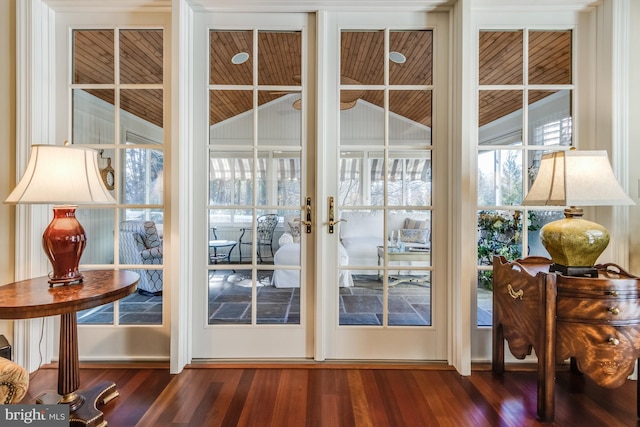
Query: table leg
[{"x": 69, "y": 381}]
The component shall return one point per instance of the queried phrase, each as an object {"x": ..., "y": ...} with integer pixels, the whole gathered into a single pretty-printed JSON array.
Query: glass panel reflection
[
  {"x": 277, "y": 303},
  {"x": 411, "y": 57},
  {"x": 226, "y": 104},
  {"x": 361, "y": 123},
  {"x": 101, "y": 315},
  {"x": 281, "y": 123},
  {"x": 501, "y": 57},
  {"x": 499, "y": 233},
  {"x": 141, "y": 308},
  {"x": 550, "y": 121},
  {"x": 278, "y": 65},
  {"x": 142, "y": 176},
  {"x": 223, "y": 236},
  {"x": 499, "y": 177},
  {"x": 289, "y": 178},
  {"x": 485, "y": 298},
  {"x": 145, "y": 104},
  {"x": 550, "y": 57},
  {"x": 141, "y": 56},
  {"x": 409, "y": 297},
  {"x": 93, "y": 57},
  {"x": 410, "y": 117},
  {"x": 93, "y": 116},
  {"x": 409, "y": 179},
  {"x": 230, "y": 296},
  {"x": 537, "y": 220},
  {"x": 230, "y": 178},
  {"x": 98, "y": 226},
  {"x": 351, "y": 176},
  {"x": 362, "y": 56},
  {"x": 500, "y": 117},
  {"x": 231, "y": 57}
]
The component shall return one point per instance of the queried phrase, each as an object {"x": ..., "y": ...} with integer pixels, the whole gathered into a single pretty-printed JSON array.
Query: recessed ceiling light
[
  {"x": 240, "y": 58},
  {"x": 397, "y": 57}
]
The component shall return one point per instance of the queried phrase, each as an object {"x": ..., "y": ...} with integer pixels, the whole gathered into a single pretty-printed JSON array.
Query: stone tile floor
[{"x": 230, "y": 302}]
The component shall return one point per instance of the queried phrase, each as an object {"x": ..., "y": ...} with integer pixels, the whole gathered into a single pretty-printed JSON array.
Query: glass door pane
[
  {"x": 385, "y": 178},
  {"x": 256, "y": 281}
]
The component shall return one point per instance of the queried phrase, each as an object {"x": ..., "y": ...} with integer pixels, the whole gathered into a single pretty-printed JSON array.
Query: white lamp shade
[
  {"x": 61, "y": 175},
  {"x": 576, "y": 178}
]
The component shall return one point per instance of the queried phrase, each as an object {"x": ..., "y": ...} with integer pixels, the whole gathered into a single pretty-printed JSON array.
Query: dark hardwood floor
[{"x": 332, "y": 395}]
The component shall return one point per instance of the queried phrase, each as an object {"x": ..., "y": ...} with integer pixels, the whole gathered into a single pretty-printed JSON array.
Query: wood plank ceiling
[{"x": 280, "y": 67}]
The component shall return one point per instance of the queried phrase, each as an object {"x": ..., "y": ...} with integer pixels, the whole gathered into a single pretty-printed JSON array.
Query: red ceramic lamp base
[{"x": 64, "y": 241}]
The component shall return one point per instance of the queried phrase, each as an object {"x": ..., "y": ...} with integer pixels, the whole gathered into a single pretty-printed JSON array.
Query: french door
[{"x": 336, "y": 171}]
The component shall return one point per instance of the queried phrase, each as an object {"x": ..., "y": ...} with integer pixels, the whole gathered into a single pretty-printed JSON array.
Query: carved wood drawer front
[
  {"x": 606, "y": 354},
  {"x": 516, "y": 299},
  {"x": 611, "y": 310}
]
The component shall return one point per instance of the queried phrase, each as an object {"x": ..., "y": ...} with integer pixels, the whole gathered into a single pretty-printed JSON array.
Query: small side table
[
  {"x": 405, "y": 255},
  {"x": 34, "y": 298},
  {"x": 214, "y": 245},
  {"x": 592, "y": 321}
]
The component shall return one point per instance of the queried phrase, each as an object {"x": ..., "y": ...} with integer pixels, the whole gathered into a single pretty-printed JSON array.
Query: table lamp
[
  {"x": 64, "y": 176},
  {"x": 575, "y": 178}
]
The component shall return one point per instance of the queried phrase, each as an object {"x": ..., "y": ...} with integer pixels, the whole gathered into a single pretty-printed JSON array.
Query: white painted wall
[
  {"x": 634, "y": 139},
  {"x": 7, "y": 148}
]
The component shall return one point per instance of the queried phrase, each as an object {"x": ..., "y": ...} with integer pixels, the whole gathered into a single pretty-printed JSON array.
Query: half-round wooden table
[{"x": 33, "y": 298}]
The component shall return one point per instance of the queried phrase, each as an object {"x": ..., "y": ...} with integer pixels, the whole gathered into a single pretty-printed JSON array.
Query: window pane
[
  {"x": 93, "y": 116},
  {"x": 145, "y": 104},
  {"x": 500, "y": 61},
  {"x": 550, "y": 57},
  {"x": 143, "y": 176},
  {"x": 281, "y": 123},
  {"x": 98, "y": 226},
  {"x": 231, "y": 57},
  {"x": 361, "y": 123},
  {"x": 288, "y": 179},
  {"x": 485, "y": 298},
  {"x": 93, "y": 56},
  {"x": 230, "y": 296},
  {"x": 499, "y": 233},
  {"x": 141, "y": 309},
  {"x": 499, "y": 177},
  {"x": 500, "y": 117},
  {"x": 141, "y": 56},
  {"x": 362, "y": 57},
  {"x": 279, "y": 58},
  {"x": 409, "y": 292},
  {"x": 230, "y": 178},
  {"x": 226, "y": 104},
  {"x": 376, "y": 172},
  {"x": 279, "y": 304},
  {"x": 537, "y": 220},
  {"x": 410, "y": 57},
  {"x": 409, "y": 179},
  {"x": 410, "y": 117},
  {"x": 550, "y": 121},
  {"x": 350, "y": 178}
]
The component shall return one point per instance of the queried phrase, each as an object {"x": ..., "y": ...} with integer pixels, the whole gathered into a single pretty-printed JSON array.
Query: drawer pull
[
  {"x": 614, "y": 310},
  {"x": 614, "y": 341},
  {"x": 613, "y": 293},
  {"x": 515, "y": 295}
]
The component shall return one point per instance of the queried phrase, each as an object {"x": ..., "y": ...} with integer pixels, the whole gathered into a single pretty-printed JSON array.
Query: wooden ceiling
[{"x": 362, "y": 61}]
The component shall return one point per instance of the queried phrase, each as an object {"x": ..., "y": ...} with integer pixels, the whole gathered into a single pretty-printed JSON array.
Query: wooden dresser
[{"x": 593, "y": 322}]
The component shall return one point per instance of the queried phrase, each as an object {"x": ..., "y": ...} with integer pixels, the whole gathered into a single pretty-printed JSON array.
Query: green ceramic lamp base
[{"x": 573, "y": 243}]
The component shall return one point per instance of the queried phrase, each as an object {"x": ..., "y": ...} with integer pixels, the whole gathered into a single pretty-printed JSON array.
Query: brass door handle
[
  {"x": 332, "y": 222},
  {"x": 307, "y": 221}
]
